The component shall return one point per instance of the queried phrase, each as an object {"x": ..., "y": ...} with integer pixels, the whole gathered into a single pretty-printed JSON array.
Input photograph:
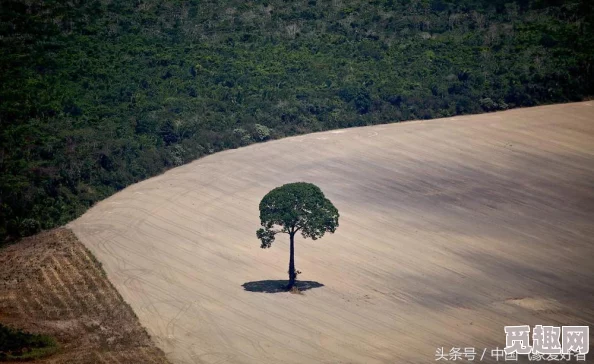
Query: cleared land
[
  {"x": 51, "y": 284},
  {"x": 450, "y": 229}
]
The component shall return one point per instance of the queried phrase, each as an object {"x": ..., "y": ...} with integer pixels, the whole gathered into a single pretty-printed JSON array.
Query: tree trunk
[{"x": 292, "y": 274}]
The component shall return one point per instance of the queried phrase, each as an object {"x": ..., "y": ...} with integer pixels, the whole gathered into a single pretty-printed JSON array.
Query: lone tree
[{"x": 295, "y": 207}]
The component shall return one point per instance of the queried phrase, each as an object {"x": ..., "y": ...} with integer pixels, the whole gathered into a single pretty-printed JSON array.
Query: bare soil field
[
  {"x": 51, "y": 284},
  {"x": 449, "y": 230}
]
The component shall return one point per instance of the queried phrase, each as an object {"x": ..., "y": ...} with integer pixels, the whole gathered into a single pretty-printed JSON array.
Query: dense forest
[{"x": 98, "y": 94}]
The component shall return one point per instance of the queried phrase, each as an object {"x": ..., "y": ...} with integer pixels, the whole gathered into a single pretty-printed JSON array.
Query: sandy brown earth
[
  {"x": 51, "y": 284},
  {"x": 449, "y": 230}
]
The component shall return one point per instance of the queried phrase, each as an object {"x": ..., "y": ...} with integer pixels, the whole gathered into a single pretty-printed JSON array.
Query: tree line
[{"x": 96, "y": 95}]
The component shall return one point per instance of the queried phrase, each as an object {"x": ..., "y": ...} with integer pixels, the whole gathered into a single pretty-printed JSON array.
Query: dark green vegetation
[
  {"x": 17, "y": 345},
  {"x": 292, "y": 208},
  {"x": 96, "y": 95}
]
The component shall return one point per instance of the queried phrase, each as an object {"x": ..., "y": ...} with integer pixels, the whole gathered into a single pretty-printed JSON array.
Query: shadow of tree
[{"x": 277, "y": 286}]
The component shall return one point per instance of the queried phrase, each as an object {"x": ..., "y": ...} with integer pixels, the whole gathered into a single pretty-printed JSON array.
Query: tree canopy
[{"x": 296, "y": 207}]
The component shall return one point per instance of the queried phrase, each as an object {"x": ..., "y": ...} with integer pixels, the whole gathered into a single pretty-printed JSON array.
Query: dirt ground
[
  {"x": 51, "y": 284},
  {"x": 450, "y": 229}
]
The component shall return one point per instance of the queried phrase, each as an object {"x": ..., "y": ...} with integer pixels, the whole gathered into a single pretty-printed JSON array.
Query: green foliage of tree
[
  {"x": 261, "y": 132},
  {"x": 96, "y": 95},
  {"x": 295, "y": 208},
  {"x": 16, "y": 345}
]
